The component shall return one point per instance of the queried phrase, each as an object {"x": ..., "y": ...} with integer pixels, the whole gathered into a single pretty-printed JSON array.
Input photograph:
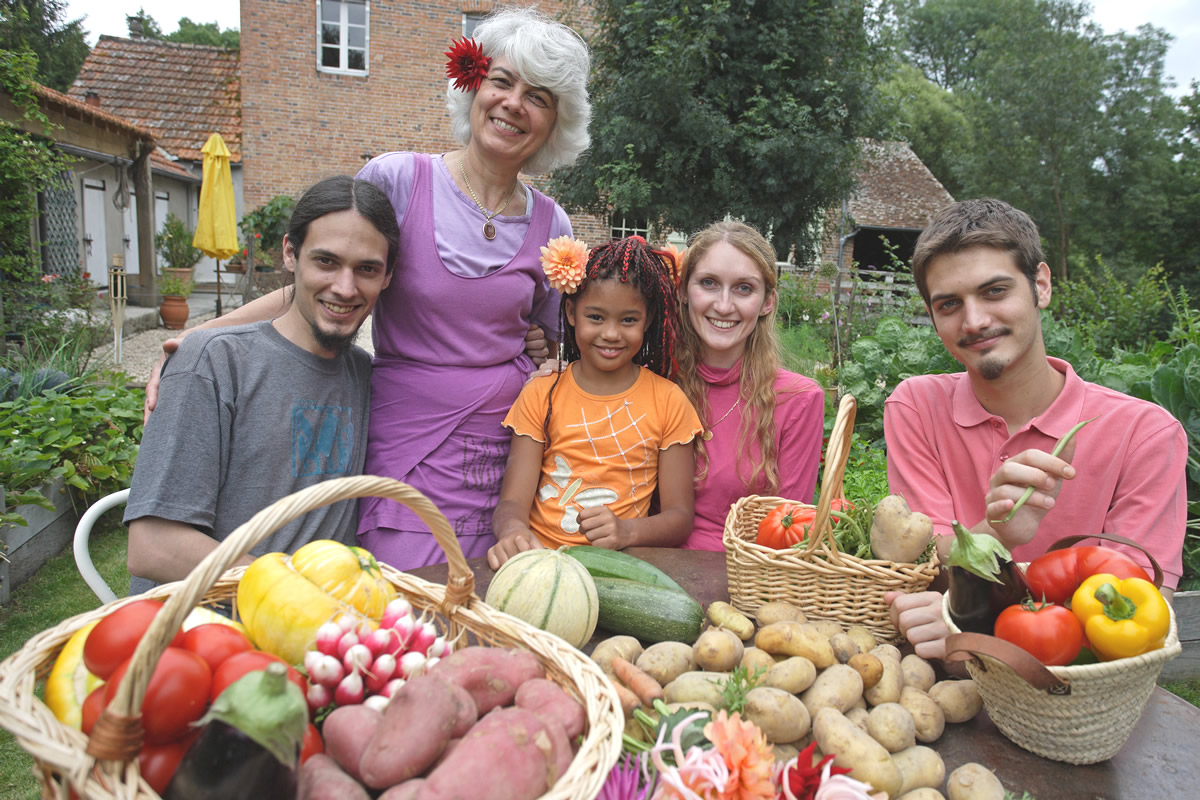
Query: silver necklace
[
  {"x": 489, "y": 230},
  {"x": 707, "y": 435}
]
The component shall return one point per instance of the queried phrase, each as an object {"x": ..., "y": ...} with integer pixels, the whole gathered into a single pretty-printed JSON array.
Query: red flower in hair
[{"x": 468, "y": 65}]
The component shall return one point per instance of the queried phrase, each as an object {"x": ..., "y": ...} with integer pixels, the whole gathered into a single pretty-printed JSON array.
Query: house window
[
  {"x": 469, "y": 21},
  {"x": 620, "y": 228},
  {"x": 342, "y": 35}
]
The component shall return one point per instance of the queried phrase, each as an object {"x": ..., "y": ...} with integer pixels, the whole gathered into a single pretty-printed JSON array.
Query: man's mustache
[{"x": 967, "y": 341}]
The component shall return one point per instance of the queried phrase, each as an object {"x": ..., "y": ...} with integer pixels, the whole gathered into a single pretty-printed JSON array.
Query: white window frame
[
  {"x": 474, "y": 18},
  {"x": 343, "y": 40},
  {"x": 628, "y": 228}
]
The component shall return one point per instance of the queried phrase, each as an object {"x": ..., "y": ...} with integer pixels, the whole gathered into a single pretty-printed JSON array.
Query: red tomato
[
  {"x": 312, "y": 743},
  {"x": 176, "y": 697},
  {"x": 158, "y": 762},
  {"x": 1095, "y": 560},
  {"x": 1050, "y": 633},
  {"x": 239, "y": 664},
  {"x": 1057, "y": 574},
  {"x": 215, "y": 642},
  {"x": 787, "y": 524},
  {"x": 93, "y": 706},
  {"x": 114, "y": 638}
]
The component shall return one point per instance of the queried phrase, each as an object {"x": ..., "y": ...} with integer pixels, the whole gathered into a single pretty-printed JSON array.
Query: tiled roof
[
  {"x": 161, "y": 162},
  {"x": 896, "y": 189},
  {"x": 181, "y": 92},
  {"x": 81, "y": 110}
]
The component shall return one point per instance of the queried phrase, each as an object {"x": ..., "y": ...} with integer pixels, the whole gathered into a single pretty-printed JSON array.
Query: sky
[{"x": 1181, "y": 18}]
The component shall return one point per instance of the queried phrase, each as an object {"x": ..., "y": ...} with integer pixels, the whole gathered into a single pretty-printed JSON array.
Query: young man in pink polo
[{"x": 966, "y": 446}]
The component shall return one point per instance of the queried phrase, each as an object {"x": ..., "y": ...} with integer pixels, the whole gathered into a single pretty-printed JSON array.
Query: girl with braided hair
[{"x": 592, "y": 443}]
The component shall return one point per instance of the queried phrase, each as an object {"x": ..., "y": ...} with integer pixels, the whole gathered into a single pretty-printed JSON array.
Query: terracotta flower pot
[{"x": 174, "y": 312}]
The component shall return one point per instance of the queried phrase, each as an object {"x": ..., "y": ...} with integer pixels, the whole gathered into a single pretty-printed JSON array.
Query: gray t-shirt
[{"x": 245, "y": 417}]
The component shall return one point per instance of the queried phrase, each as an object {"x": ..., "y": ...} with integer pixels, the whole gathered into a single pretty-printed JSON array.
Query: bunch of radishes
[{"x": 353, "y": 663}]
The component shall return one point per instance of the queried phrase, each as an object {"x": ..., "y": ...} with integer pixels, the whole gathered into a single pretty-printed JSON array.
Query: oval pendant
[
  {"x": 489, "y": 231},
  {"x": 706, "y": 436}
]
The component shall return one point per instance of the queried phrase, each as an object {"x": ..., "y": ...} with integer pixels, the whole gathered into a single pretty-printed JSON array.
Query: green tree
[
  {"x": 746, "y": 107},
  {"x": 149, "y": 26},
  {"x": 205, "y": 33},
  {"x": 41, "y": 27}
]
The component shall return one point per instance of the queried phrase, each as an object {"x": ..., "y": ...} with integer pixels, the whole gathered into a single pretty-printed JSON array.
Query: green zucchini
[
  {"x": 649, "y": 613},
  {"x": 603, "y": 563}
]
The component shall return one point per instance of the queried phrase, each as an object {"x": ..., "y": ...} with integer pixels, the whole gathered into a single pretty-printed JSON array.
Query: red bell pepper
[{"x": 1056, "y": 575}]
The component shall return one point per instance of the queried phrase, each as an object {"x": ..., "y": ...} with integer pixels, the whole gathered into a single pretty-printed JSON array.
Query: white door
[
  {"x": 131, "y": 237},
  {"x": 95, "y": 243},
  {"x": 161, "y": 209}
]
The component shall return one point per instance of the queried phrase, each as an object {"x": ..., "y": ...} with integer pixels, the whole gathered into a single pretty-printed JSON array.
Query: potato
[
  {"x": 869, "y": 667},
  {"x": 416, "y": 725},
  {"x": 917, "y": 672},
  {"x": 778, "y": 611},
  {"x": 794, "y": 674},
  {"x": 726, "y": 616},
  {"x": 758, "y": 662},
  {"x": 627, "y": 647},
  {"x": 886, "y": 651},
  {"x": 922, "y": 794},
  {"x": 858, "y": 716},
  {"x": 547, "y": 699},
  {"x": 960, "y": 700},
  {"x": 717, "y": 650},
  {"x": 897, "y": 532},
  {"x": 974, "y": 782},
  {"x": 862, "y": 637},
  {"x": 347, "y": 731},
  {"x": 322, "y": 779},
  {"x": 779, "y": 714},
  {"x": 490, "y": 674},
  {"x": 887, "y": 689},
  {"x": 844, "y": 648},
  {"x": 784, "y": 752},
  {"x": 855, "y": 750},
  {"x": 827, "y": 627},
  {"x": 892, "y": 726},
  {"x": 921, "y": 767},
  {"x": 666, "y": 661},
  {"x": 795, "y": 639},
  {"x": 927, "y": 715},
  {"x": 704, "y": 687},
  {"x": 837, "y": 687}
]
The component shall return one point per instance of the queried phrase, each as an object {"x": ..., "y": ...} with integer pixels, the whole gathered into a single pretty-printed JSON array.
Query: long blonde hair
[{"x": 760, "y": 361}]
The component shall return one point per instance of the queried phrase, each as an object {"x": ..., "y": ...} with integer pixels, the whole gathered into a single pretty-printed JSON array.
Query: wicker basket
[
  {"x": 823, "y": 582},
  {"x": 101, "y": 767},
  {"x": 1079, "y": 715}
]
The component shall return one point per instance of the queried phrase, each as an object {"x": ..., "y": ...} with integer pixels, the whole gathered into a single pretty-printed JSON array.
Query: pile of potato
[{"x": 858, "y": 699}]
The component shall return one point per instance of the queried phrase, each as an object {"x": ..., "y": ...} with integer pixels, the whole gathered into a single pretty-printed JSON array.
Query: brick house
[{"x": 181, "y": 93}]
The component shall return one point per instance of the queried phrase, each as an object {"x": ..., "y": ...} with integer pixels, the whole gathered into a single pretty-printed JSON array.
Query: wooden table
[{"x": 1158, "y": 760}]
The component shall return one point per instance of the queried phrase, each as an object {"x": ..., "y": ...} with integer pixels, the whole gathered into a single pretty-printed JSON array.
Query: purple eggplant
[{"x": 984, "y": 580}]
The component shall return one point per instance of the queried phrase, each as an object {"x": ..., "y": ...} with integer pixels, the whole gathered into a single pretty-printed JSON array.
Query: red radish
[
  {"x": 328, "y": 636},
  {"x": 348, "y": 640},
  {"x": 350, "y": 691},
  {"x": 382, "y": 671},
  {"x": 412, "y": 664},
  {"x": 430, "y": 663},
  {"x": 377, "y": 702},
  {"x": 392, "y": 686},
  {"x": 439, "y": 648},
  {"x": 311, "y": 659},
  {"x": 404, "y": 627},
  {"x": 318, "y": 696},
  {"x": 384, "y": 640},
  {"x": 424, "y": 636},
  {"x": 347, "y": 622},
  {"x": 328, "y": 672},
  {"x": 357, "y": 658},
  {"x": 395, "y": 610}
]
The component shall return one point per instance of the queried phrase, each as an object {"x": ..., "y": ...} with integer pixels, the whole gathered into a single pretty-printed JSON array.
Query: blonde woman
[{"x": 763, "y": 425}]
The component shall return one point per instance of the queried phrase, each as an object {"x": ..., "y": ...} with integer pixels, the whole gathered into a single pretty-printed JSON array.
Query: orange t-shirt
[{"x": 603, "y": 449}]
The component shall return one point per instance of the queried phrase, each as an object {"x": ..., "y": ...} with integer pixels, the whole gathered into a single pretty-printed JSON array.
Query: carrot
[
  {"x": 629, "y": 700},
  {"x": 645, "y": 687}
]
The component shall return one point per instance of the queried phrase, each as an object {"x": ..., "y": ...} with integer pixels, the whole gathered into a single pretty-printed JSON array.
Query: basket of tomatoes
[
  {"x": 161, "y": 679},
  {"x": 780, "y": 549},
  {"x": 1067, "y": 675}
]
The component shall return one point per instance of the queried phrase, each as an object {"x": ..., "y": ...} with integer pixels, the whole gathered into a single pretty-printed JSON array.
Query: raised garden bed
[
  {"x": 25, "y": 549},
  {"x": 1186, "y": 665}
]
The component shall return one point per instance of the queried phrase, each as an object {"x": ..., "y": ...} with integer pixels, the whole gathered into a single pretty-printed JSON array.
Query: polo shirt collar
[{"x": 1060, "y": 417}]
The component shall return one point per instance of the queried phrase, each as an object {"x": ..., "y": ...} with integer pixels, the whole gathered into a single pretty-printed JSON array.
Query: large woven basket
[
  {"x": 820, "y": 580},
  {"x": 1079, "y": 715},
  {"x": 102, "y": 768}
]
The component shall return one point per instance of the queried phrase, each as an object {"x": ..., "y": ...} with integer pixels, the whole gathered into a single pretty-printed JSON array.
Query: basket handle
[
  {"x": 118, "y": 733},
  {"x": 964, "y": 646},
  {"x": 1067, "y": 541},
  {"x": 836, "y": 455}
]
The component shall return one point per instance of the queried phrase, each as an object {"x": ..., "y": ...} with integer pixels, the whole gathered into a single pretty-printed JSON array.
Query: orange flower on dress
[
  {"x": 677, "y": 261},
  {"x": 747, "y": 755},
  {"x": 564, "y": 261}
]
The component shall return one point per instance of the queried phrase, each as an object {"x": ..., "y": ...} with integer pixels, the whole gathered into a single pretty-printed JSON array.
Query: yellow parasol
[{"x": 216, "y": 225}]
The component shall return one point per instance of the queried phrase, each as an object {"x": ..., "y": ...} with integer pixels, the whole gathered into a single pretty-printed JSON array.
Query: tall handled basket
[
  {"x": 818, "y": 579},
  {"x": 105, "y": 767}
]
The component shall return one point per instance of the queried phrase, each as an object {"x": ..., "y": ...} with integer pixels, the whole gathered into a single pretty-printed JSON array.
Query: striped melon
[{"x": 549, "y": 590}]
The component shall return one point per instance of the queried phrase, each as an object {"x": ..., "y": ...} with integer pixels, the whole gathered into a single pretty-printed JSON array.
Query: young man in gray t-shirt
[{"x": 251, "y": 413}]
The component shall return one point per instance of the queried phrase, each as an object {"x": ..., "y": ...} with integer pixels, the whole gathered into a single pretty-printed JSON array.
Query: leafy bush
[
  {"x": 1110, "y": 312},
  {"x": 866, "y": 472},
  {"x": 171, "y": 285},
  {"x": 89, "y": 437},
  {"x": 803, "y": 349},
  {"x": 174, "y": 244},
  {"x": 46, "y": 361},
  {"x": 268, "y": 223}
]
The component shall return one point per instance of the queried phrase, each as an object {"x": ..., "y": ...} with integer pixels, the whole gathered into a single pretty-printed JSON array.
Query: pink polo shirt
[{"x": 943, "y": 448}]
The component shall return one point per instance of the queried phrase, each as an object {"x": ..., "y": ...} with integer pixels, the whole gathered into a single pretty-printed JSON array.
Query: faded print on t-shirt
[{"x": 322, "y": 439}]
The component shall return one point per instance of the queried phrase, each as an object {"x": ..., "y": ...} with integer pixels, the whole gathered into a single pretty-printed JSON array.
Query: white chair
[{"x": 83, "y": 532}]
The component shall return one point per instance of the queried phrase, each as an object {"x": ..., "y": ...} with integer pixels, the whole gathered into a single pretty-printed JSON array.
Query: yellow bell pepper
[{"x": 1121, "y": 618}]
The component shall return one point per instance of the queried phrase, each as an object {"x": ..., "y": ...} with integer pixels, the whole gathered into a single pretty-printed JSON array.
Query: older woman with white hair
[{"x": 468, "y": 289}]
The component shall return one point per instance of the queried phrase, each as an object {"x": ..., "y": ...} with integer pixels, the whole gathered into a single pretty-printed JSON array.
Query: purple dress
[{"x": 449, "y": 362}]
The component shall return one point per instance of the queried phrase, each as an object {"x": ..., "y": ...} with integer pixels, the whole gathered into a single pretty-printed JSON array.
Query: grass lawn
[{"x": 57, "y": 592}]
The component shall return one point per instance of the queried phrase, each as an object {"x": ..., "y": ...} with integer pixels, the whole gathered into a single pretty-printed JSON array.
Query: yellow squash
[
  {"x": 70, "y": 682},
  {"x": 283, "y": 601}
]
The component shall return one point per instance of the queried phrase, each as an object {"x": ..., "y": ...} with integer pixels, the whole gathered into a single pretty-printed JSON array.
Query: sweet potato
[
  {"x": 322, "y": 779},
  {"x": 347, "y": 732},
  {"x": 516, "y": 751},
  {"x": 547, "y": 699},
  {"x": 468, "y": 715},
  {"x": 490, "y": 674},
  {"x": 417, "y": 724},
  {"x": 404, "y": 791}
]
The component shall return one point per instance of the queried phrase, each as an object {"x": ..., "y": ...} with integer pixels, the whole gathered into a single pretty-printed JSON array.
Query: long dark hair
[{"x": 340, "y": 193}]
